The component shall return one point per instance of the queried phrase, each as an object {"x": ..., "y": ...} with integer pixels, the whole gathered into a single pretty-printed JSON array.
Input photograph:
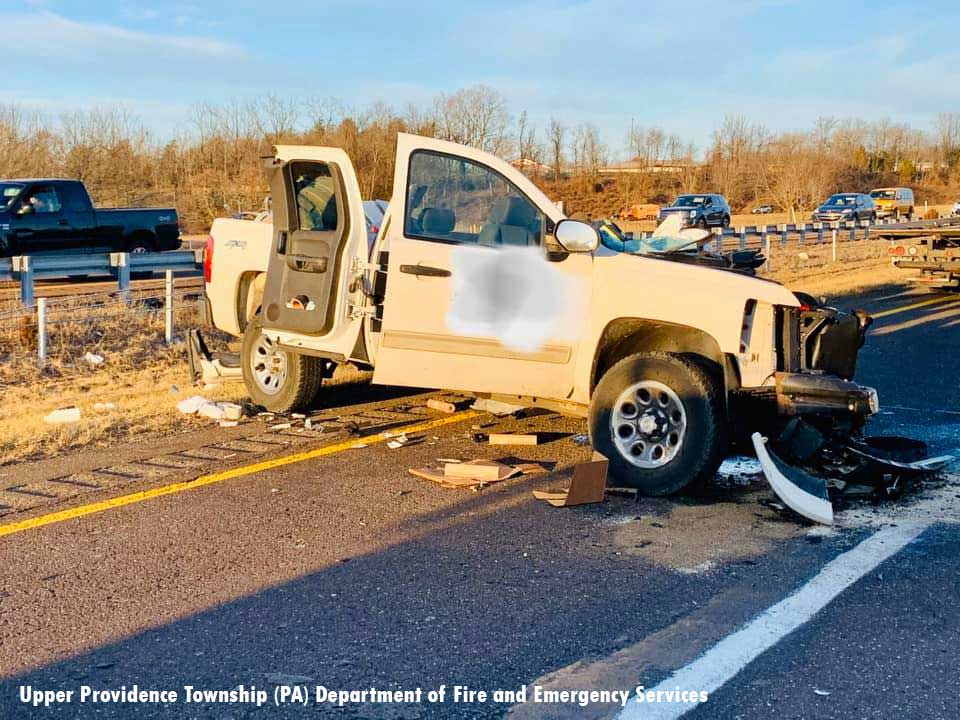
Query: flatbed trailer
[{"x": 934, "y": 252}]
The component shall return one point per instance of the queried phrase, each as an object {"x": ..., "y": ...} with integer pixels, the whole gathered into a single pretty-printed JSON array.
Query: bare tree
[
  {"x": 475, "y": 116},
  {"x": 557, "y": 139}
]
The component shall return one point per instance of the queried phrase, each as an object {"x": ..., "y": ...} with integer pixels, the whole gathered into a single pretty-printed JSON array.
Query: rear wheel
[
  {"x": 277, "y": 379},
  {"x": 702, "y": 223},
  {"x": 658, "y": 420},
  {"x": 138, "y": 245}
]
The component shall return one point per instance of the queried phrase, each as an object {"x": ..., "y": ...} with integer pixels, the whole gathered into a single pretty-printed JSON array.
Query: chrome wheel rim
[
  {"x": 648, "y": 424},
  {"x": 268, "y": 365}
]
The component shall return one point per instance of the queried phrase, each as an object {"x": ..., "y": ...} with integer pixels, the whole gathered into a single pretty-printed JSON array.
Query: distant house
[{"x": 530, "y": 167}]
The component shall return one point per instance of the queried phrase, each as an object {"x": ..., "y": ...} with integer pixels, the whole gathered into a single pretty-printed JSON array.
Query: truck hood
[{"x": 706, "y": 298}]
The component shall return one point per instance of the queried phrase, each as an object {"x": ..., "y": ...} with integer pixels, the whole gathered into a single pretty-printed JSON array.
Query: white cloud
[{"x": 49, "y": 55}]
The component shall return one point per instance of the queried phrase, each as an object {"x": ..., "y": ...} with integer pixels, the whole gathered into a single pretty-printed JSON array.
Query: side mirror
[{"x": 576, "y": 237}]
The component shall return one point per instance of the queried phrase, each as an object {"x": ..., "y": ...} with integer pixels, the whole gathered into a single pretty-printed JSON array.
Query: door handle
[{"x": 424, "y": 271}]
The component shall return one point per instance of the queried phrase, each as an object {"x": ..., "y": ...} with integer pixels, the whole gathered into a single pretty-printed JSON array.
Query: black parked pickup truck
[{"x": 50, "y": 215}]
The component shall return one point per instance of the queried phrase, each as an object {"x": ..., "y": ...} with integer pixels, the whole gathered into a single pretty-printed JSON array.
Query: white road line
[{"x": 727, "y": 658}]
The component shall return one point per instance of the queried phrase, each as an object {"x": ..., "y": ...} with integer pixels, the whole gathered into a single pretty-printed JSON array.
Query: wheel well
[
  {"x": 144, "y": 236},
  {"x": 627, "y": 336},
  {"x": 249, "y": 297}
]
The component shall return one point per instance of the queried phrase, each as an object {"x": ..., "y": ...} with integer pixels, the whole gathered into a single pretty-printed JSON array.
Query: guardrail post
[
  {"x": 853, "y": 230},
  {"x": 802, "y": 230},
  {"x": 168, "y": 309},
  {"x": 819, "y": 228},
  {"x": 783, "y": 234},
  {"x": 24, "y": 269},
  {"x": 123, "y": 275},
  {"x": 743, "y": 238},
  {"x": 42, "y": 329},
  {"x": 834, "y": 244},
  {"x": 866, "y": 230}
]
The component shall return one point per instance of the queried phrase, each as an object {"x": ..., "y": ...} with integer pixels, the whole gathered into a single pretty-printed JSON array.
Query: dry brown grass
[{"x": 136, "y": 376}]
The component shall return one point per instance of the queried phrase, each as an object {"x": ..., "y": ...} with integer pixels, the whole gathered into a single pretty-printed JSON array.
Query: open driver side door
[{"x": 318, "y": 225}]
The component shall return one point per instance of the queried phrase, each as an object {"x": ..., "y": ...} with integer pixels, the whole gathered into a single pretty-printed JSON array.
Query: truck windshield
[
  {"x": 8, "y": 193},
  {"x": 886, "y": 194}
]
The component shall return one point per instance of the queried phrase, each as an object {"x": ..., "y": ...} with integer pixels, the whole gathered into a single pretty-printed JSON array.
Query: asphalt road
[{"x": 347, "y": 572}]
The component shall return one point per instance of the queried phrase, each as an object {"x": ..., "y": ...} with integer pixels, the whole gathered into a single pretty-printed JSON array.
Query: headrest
[
  {"x": 513, "y": 211},
  {"x": 437, "y": 220}
]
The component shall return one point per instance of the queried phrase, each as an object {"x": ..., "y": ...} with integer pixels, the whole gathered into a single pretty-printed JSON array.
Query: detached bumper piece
[
  {"x": 807, "y": 393},
  {"x": 801, "y": 492},
  {"x": 208, "y": 367},
  {"x": 826, "y": 472}
]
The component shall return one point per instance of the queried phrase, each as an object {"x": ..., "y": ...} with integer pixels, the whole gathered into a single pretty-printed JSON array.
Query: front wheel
[
  {"x": 658, "y": 419},
  {"x": 726, "y": 221},
  {"x": 702, "y": 223},
  {"x": 279, "y": 380}
]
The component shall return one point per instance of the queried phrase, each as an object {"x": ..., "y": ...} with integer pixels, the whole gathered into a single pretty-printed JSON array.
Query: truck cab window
[
  {"x": 316, "y": 197},
  {"x": 42, "y": 200},
  {"x": 455, "y": 200}
]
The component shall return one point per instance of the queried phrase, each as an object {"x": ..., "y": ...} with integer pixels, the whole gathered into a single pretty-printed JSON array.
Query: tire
[
  {"x": 726, "y": 221},
  {"x": 141, "y": 243},
  {"x": 702, "y": 223},
  {"x": 294, "y": 382},
  {"x": 701, "y": 443}
]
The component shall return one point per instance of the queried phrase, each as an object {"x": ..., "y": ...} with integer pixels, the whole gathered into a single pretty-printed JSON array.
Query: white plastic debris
[
  {"x": 228, "y": 423},
  {"x": 212, "y": 411},
  {"x": 281, "y": 426},
  {"x": 192, "y": 404},
  {"x": 63, "y": 416},
  {"x": 398, "y": 442},
  {"x": 495, "y": 407},
  {"x": 231, "y": 411},
  {"x": 93, "y": 359},
  {"x": 104, "y": 407}
]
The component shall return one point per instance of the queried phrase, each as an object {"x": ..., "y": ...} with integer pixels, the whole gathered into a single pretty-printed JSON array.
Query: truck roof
[{"x": 35, "y": 180}]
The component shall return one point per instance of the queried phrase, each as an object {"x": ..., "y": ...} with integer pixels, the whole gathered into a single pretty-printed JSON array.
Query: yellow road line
[
  {"x": 204, "y": 480},
  {"x": 904, "y": 308}
]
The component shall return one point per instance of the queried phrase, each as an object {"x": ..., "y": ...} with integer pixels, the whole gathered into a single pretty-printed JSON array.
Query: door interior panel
[{"x": 310, "y": 227}]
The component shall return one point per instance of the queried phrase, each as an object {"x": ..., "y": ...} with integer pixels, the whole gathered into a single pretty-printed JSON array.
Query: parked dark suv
[{"x": 700, "y": 210}]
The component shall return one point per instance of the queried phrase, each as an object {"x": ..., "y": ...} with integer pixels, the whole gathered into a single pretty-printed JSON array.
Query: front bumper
[
  {"x": 818, "y": 394},
  {"x": 830, "y": 217},
  {"x": 685, "y": 219}
]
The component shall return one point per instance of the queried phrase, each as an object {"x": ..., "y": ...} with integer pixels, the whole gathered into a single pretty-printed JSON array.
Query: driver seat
[{"x": 511, "y": 222}]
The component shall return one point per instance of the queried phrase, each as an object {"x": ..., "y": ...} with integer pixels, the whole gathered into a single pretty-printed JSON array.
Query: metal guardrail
[
  {"x": 26, "y": 269},
  {"x": 762, "y": 236}
]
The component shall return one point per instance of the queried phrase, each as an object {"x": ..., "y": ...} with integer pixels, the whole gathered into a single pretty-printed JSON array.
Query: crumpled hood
[{"x": 707, "y": 298}]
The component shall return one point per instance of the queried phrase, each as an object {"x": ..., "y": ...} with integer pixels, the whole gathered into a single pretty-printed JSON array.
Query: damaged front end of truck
[{"x": 813, "y": 448}]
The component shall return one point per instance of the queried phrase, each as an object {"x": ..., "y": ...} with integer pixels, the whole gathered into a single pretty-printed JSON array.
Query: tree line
[{"x": 212, "y": 168}]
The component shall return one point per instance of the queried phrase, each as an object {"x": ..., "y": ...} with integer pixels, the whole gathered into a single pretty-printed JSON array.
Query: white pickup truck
[{"x": 478, "y": 283}]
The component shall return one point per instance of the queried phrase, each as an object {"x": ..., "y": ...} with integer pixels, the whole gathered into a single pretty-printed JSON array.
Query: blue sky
[{"x": 679, "y": 66}]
